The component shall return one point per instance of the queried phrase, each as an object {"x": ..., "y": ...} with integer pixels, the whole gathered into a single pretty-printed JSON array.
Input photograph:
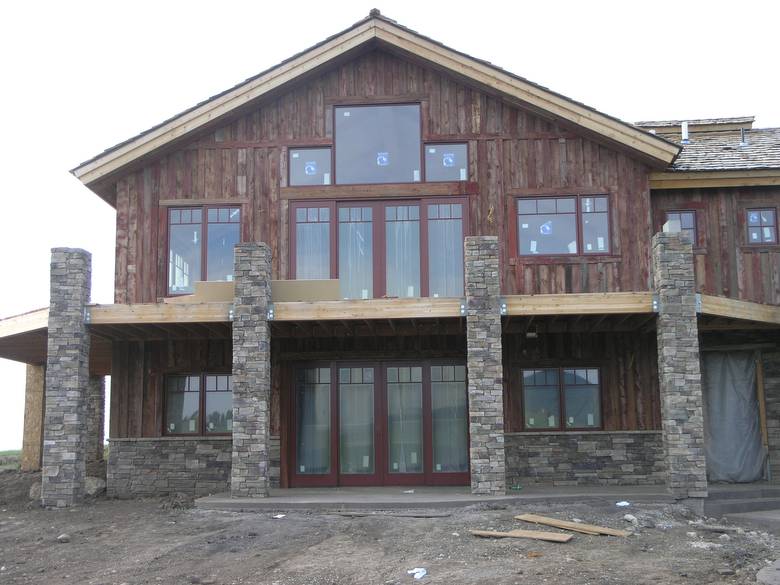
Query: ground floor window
[
  {"x": 561, "y": 398},
  {"x": 380, "y": 423},
  {"x": 198, "y": 404}
]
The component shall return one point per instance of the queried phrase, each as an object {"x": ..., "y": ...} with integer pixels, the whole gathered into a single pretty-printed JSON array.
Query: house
[{"x": 385, "y": 262}]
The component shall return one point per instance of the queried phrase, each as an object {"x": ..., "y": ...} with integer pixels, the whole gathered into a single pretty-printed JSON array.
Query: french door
[{"x": 388, "y": 423}]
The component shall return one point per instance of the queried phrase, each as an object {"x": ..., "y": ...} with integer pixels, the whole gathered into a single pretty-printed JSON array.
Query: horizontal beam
[
  {"x": 444, "y": 189},
  {"x": 159, "y": 313},
  {"x": 735, "y": 309},
  {"x": 580, "y": 304},
  {"x": 423, "y": 308},
  {"x": 705, "y": 179},
  {"x": 24, "y": 323}
]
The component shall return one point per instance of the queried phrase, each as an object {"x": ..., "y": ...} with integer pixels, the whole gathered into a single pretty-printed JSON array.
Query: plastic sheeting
[{"x": 732, "y": 433}]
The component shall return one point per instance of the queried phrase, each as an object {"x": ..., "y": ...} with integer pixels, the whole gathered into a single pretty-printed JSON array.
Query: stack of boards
[{"x": 590, "y": 529}]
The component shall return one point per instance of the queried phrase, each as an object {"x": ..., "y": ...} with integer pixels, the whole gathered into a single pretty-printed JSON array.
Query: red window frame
[
  {"x": 201, "y": 426},
  {"x": 578, "y": 213},
  {"x": 204, "y": 228},
  {"x": 761, "y": 226},
  {"x": 378, "y": 227},
  {"x": 561, "y": 399},
  {"x": 694, "y": 229}
]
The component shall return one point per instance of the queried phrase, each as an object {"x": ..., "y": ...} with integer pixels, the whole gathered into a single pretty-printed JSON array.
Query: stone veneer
[
  {"x": 67, "y": 379},
  {"x": 485, "y": 383},
  {"x": 168, "y": 465},
  {"x": 585, "y": 458},
  {"x": 96, "y": 401},
  {"x": 679, "y": 372},
  {"x": 251, "y": 370}
]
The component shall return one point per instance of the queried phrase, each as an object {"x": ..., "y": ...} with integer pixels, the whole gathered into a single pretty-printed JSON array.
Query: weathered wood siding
[
  {"x": 630, "y": 397},
  {"x": 512, "y": 152},
  {"x": 725, "y": 264}
]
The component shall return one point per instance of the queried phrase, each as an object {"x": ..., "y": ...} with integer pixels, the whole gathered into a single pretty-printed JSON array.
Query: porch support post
[
  {"x": 485, "y": 370},
  {"x": 679, "y": 369},
  {"x": 96, "y": 401},
  {"x": 67, "y": 379},
  {"x": 251, "y": 371},
  {"x": 32, "y": 439}
]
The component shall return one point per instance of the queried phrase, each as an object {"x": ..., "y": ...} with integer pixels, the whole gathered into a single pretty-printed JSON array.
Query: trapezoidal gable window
[
  {"x": 382, "y": 249},
  {"x": 200, "y": 245},
  {"x": 377, "y": 144},
  {"x": 561, "y": 398},
  {"x": 198, "y": 404},
  {"x": 566, "y": 225}
]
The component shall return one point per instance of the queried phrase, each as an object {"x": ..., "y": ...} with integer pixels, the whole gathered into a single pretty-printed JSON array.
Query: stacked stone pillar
[
  {"x": 67, "y": 379},
  {"x": 251, "y": 371},
  {"x": 96, "y": 401},
  {"x": 679, "y": 369},
  {"x": 485, "y": 369}
]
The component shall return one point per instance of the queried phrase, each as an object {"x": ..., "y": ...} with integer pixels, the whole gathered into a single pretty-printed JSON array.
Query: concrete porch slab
[{"x": 399, "y": 498}]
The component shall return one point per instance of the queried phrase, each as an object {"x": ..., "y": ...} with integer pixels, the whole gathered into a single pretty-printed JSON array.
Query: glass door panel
[
  {"x": 402, "y": 249},
  {"x": 313, "y": 430},
  {"x": 449, "y": 419},
  {"x": 356, "y": 249},
  {"x": 356, "y": 421},
  {"x": 405, "y": 419}
]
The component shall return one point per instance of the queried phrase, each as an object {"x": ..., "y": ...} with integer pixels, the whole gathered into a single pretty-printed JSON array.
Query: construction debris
[
  {"x": 533, "y": 534},
  {"x": 590, "y": 529}
]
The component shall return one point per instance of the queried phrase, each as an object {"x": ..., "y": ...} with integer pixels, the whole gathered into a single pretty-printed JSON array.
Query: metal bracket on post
[
  {"x": 231, "y": 313},
  {"x": 502, "y": 306},
  {"x": 87, "y": 315},
  {"x": 463, "y": 307},
  {"x": 698, "y": 303},
  {"x": 270, "y": 312},
  {"x": 656, "y": 304}
]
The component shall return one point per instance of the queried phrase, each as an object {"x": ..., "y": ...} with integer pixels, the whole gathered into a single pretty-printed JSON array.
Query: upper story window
[
  {"x": 563, "y": 225},
  {"x": 382, "y": 248},
  {"x": 310, "y": 166},
  {"x": 377, "y": 144},
  {"x": 761, "y": 226},
  {"x": 686, "y": 221},
  {"x": 561, "y": 398},
  {"x": 186, "y": 395},
  {"x": 446, "y": 162},
  {"x": 200, "y": 245}
]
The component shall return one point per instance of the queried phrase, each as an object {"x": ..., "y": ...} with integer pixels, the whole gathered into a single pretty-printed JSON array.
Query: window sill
[
  {"x": 567, "y": 259},
  {"x": 763, "y": 248}
]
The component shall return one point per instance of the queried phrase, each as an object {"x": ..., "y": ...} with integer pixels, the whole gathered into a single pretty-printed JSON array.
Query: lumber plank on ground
[
  {"x": 591, "y": 529},
  {"x": 534, "y": 534}
]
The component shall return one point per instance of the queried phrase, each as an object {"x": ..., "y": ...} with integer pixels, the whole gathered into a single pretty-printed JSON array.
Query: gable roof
[
  {"x": 721, "y": 151},
  {"x": 375, "y": 30}
]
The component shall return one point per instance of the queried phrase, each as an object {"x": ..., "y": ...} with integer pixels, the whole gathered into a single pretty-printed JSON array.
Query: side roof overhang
[{"x": 100, "y": 172}]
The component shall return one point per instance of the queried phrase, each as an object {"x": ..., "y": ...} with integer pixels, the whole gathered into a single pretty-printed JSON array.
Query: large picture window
[
  {"x": 383, "y": 249},
  {"x": 561, "y": 398},
  {"x": 563, "y": 225},
  {"x": 200, "y": 245},
  {"x": 198, "y": 404},
  {"x": 377, "y": 144}
]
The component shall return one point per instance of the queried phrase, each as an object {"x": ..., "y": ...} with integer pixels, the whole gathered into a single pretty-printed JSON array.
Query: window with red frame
[
  {"x": 198, "y": 404},
  {"x": 200, "y": 245},
  {"x": 566, "y": 225},
  {"x": 561, "y": 398},
  {"x": 687, "y": 223},
  {"x": 761, "y": 226}
]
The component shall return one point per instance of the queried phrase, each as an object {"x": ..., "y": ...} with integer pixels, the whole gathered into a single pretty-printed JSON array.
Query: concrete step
[
  {"x": 721, "y": 507},
  {"x": 745, "y": 494}
]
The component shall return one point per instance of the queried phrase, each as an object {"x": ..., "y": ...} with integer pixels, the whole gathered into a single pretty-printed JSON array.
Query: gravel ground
[{"x": 166, "y": 541}]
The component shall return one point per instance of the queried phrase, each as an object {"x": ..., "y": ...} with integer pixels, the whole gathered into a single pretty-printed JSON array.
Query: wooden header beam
[
  {"x": 580, "y": 304},
  {"x": 159, "y": 313},
  {"x": 25, "y": 323},
  {"x": 744, "y": 310},
  {"x": 707, "y": 179}
]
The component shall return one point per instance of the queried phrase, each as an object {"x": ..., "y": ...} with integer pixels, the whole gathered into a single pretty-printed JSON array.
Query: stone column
[
  {"x": 679, "y": 371},
  {"x": 67, "y": 379},
  {"x": 485, "y": 369},
  {"x": 96, "y": 401},
  {"x": 251, "y": 371},
  {"x": 32, "y": 439}
]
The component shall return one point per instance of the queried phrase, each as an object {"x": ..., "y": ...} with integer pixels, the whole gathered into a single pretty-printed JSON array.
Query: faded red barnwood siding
[
  {"x": 725, "y": 264},
  {"x": 512, "y": 152}
]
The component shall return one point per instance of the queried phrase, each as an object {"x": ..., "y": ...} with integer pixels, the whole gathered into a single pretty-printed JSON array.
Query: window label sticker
[
  {"x": 365, "y": 461},
  {"x": 573, "y": 247},
  {"x": 767, "y": 233},
  {"x": 546, "y": 228},
  {"x": 416, "y": 176},
  {"x": 448, "y": 159},
  {"x": 588, "y": 246},
  {"x": 463, "y": 174},
  {"x": 438, "y": 467},
  {"x": 525, "y": 226},
  {"x": 590, "y": 420},
  {"x": 310, "y": 168},
  {"x": 383, "y": 159},
  {"x": 533, "y": 246},
  {"x": 551, "y": 420},
  {"x": 413, "y": 457},
  {"x": 754, "y": 235},
  {"x": 326, "y": 178},
  {"x": 347, "y": 113},
  {"x": 296, "y": 154},
  {"x": 531, "y": 421},
  {"x": 303, "y": 469},
  {"x": 192, "y": 426},
  {"x": 431, "y": 151},
  {"x": 600, "y": 241}
]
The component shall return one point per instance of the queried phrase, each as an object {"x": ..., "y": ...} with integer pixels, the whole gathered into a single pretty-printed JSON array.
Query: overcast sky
[{"x": 78, "y": 77}]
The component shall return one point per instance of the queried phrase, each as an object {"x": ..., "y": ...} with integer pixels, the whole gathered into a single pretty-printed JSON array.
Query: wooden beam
[
  {"x": 159, "y": 313},
  {"x": 24, "y": 323},
  {"x": 422, "y": 308},
  {"x": 705, "y": 179},
  {"x": 202, "y": 201},
  {"x": 444, "y": 189},
  {"x": 735, "y": 309},
  {"x": 580, "y": 303}
]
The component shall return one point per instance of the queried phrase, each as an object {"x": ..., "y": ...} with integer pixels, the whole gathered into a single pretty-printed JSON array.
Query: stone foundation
[
  {"x": 168, "y": 465},
  {"x": 587, "y": 458}
]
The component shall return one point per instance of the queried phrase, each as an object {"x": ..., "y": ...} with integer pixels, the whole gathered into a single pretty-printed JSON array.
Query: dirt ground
[{"x": 166, "y": 541}]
